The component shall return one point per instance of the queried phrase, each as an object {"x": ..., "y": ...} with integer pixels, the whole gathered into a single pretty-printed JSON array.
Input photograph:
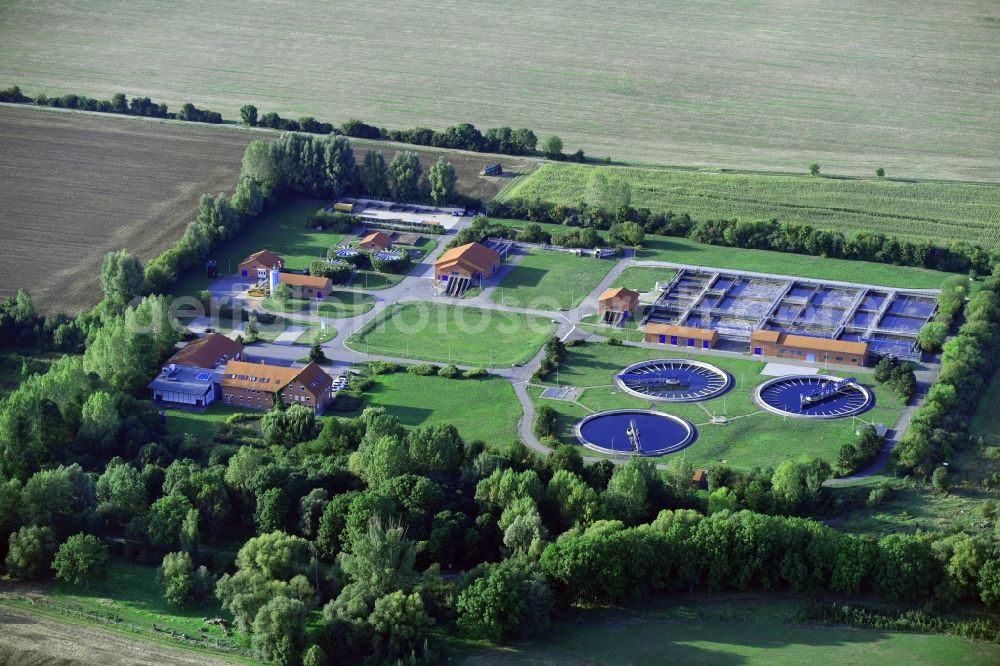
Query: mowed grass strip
[
  {"x": 683, "y": 251},
  {"x": 453, "y": 334},
  {"x": 481, "y": 409},
  {"x": 551, "y": 280},
  {"x": 735, "y": 629},
  {"x": 937, "y": 211},
  {"x": 643, "y": 278}
]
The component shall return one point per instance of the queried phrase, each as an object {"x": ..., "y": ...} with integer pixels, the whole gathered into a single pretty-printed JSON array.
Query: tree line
[
  {"x": 301, "y": 165},
  {"x": 955, "y": 257},
  {"x": 940, "y": 427},
  {"x": 137, "y": 106},
  {"x": 464, "y": 136}
]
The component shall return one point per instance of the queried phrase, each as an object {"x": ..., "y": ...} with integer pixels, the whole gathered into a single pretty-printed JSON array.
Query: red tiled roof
[
  {"x": 265, "y": 258},
  {"x": 207, "y": 352},
  {"x": 475, "y": 255}
]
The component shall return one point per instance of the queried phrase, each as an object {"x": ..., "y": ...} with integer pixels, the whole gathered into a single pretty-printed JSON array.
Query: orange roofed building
[
  {"x": 808, "y": 348},
  {"x": 208, "y": 352},
  {"x": 259, "y": 264},
  {"x": 375, "y": 241},
  {"x": 307, "y": 286},
  {"x": 617, "y": 300},
  {"x": 257, "y": 385},
  {"x": 681, "y": 336},
  {"x": 472, "y": 260}
]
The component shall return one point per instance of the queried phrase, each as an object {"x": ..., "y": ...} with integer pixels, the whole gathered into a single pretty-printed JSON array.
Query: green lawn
[
  {"x": 315, "y": 334},
  {"x": 630, "y": 331},
  {"x": 684, "y": 251},
  {"x": 937, "y": 211},
  {"x": 446, "y": 333},
  {"x": 730, "y": 630},
  {"x": 643, "y": 278},
  {"x": 130, "y": 592},
  {"x": 340, "y": 304},
  {"x": 549, "y": 280},
  {"x": 481, "y": 409},
  {"x": 203, "y": 425},
  {"x": 986, "y": 420},
  {"x": 282, "y": 230},
  {"x": 750, "y": 438}
]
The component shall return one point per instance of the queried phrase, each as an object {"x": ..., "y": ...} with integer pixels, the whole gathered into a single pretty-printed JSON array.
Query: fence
[{"x": 80, "y": 612}]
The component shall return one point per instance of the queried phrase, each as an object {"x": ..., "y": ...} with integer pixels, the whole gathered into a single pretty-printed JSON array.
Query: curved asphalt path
[{"x": 418, "y": 286}]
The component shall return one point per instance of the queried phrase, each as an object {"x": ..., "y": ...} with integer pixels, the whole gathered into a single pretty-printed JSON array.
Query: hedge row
[{"x": 137, "y": 106}]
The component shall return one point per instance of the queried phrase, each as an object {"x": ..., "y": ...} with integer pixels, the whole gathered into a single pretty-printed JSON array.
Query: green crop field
[
  {"x": 453, "y": 334},
  {"x": 936, "y": 211},
  {"x": 750, "y": 438},
  {"x": 548, "y": 280},
  {"x": 684, "y": 251},
  {"x": 481, "y": 409},
  {"x": 904, "y": 84},
  {"x": 722, "y": 631}
]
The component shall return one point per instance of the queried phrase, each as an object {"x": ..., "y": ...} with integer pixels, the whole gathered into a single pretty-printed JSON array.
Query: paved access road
[{"x": 420, "y": 286}]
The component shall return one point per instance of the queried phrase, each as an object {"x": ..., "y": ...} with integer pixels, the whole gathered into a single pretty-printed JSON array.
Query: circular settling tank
[
  {"x": 813, "y": 397},
  {"x": 674, "y": 380},
  {"x": 635, "y": 432}
]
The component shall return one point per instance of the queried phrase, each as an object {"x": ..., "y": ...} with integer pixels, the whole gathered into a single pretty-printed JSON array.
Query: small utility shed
[
  {"x": 472, "y": 260},
  {"x": 307, "y": 286},
  {"x": 618, "y": 303},
  {"x": 681, "y": 336},
  {"x": 259, "y": 264},
  {"x": 375, "y": 241}
]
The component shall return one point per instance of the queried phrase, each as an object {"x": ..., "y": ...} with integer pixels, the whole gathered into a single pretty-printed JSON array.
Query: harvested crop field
[
  {"x": 909, "y": 85},
  {"x": 30, "y": 639},
  {"x": 76, "y": 185},
  {"x": 939, "y": 211}
]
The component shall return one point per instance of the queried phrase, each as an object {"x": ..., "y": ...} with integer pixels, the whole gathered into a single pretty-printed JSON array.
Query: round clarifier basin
[{"x": 635, "y": 432}]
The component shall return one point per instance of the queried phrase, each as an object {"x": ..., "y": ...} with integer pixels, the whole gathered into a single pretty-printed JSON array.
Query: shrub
[
  {"x": 449, "y": 372},
  {"x": 476, "y": 373},
  {"x": 423, "y": 369}
]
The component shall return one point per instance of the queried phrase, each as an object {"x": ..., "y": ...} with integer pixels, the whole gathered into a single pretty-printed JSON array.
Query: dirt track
[
  {"x": 32, "y": 640},
  {"x": 75, "y": 185}
]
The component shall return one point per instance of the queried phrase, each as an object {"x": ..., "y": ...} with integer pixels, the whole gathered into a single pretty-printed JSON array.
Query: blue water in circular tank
[{"x": 659, "y": 434}]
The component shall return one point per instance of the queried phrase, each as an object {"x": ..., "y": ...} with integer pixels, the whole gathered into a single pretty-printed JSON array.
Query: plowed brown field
[{"x": 75, "y": 185}]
